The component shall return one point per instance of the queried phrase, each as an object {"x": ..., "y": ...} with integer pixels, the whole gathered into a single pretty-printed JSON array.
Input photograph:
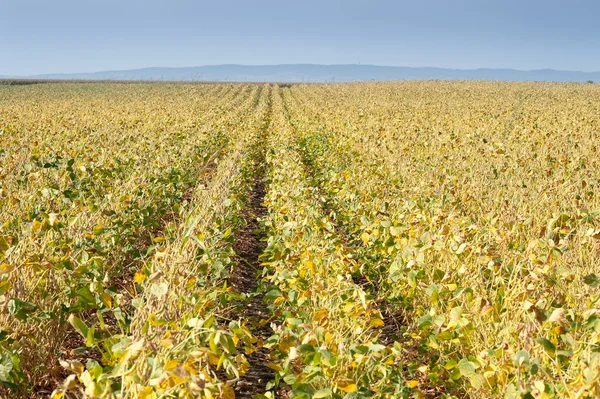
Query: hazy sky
[{"x": 48, "y": 36}]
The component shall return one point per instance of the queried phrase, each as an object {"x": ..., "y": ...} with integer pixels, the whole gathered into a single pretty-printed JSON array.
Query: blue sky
[{"x": 49, "y": 36}]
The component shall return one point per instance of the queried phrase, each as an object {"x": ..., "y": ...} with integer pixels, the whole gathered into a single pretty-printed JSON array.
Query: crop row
[
  {"x": 83, "y": 215},
  {"x": 326, "y": 340},
  {"x": 497, "y": 293}
]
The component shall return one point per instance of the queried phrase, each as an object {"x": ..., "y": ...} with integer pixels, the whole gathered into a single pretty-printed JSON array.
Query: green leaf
[
  {"x": 445, "y": 336},
  {"x": 467, "y": 368},
  {"x": 450, "y": 364},
  {"x": 159, "y": 290},
  {"x": 90, "y": 336},
  {"x": 521, "y": 357},
  {"x": 477, "y": 381},
  {"x": 227, "y": 343},
  {"x": 592, "y": 279},
  {"x": 425, "y": 321},
  {"x": 79, "y": 325},
  {"x": 273, "y": 294},
  {"x": 376, "y": 347},
  {"x": 548, "y": 346},
  {"x": 86, "y": 297},
  {"x": 322, "y": 393},
  {"x": 456, "y": 314},
  {"x": 289, "y": 379},
  {"x": 6, "y": 366},
  {"x": 137, "y": 303},
  {"x": 21, "y": 309},
  {"x": 413, "y": 276}
]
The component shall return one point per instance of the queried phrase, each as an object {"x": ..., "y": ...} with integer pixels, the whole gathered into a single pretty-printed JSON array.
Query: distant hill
[{"x": 323, "y": 73}]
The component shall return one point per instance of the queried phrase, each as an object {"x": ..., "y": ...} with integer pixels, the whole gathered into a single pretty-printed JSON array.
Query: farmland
[{"x": 369, "y": 240}]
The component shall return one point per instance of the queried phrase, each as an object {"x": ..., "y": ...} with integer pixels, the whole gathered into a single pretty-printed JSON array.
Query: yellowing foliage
[{"x": 423, "y": 239}]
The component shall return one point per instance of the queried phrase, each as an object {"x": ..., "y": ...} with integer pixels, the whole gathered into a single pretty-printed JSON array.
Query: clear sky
[{"x": 50, "y": 36}]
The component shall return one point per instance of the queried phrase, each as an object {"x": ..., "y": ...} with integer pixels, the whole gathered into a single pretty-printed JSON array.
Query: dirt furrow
[{"x": 249, "y": 244}]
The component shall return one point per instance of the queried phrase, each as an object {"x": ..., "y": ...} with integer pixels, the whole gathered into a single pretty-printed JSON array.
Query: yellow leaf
[
  {"x": 107, "y": 300},
  {"x": 190, "y": 283},
  {"x": 365, "y": 237},
  {"x": 175, "y": 380},
  {"x": 146, "y": 393},
  {"x": 213, "y": 358},
  {"x": 540, "y": 386},
  {"x": 377, "y": 322},
  {"x": 242, "y": 364},
  {"x": 347, "y": 385},
  {"x": 139, "y": 277},
  {"x": 320, "y": 314},
  {"x": 227, "y": 392},
  {"x": 310, "y": 265},
  {"x": 73, "y": 365},
  {"x": 36, "y": 226},
  {"x": 412, "y": 383},
  {"x": 486, "y": 310},
  {"x": 274, "y": 366},
  {"x": 452, "y": 287},
  {"x": 134, "y": 349},
  {"x": 461, "y": 248},
  {"x": 166, "y": 343},
  {"x": 91, "y": 389},
  {"x": 5, "y": 268},
  {"x": 153, "y": 320},
  {"x": 70, "y": 382}
]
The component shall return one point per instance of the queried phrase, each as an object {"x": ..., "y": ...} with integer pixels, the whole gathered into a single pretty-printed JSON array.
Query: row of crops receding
[{"x": 370, "y": 240}]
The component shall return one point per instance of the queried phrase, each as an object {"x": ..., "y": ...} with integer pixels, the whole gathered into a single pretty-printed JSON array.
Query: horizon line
[{"x": 304, "y": 64}]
